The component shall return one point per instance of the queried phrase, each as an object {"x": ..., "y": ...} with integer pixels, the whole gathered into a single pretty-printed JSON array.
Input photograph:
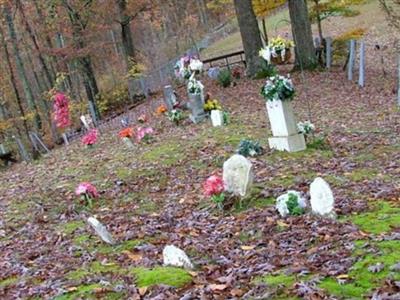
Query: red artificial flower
[
  {"x": 86, "y": 188},
  {"x": 90, "y": 138},
  {"x": 61, "y": 111},
  {"x": 214, "y": 185}
]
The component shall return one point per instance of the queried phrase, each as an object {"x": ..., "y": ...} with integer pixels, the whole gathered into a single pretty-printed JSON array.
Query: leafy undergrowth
[{"x": 152, "y": 196}]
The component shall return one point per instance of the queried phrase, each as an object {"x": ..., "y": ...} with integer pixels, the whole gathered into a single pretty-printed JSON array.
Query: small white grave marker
[
  {"x": 217, "y": 118},
  {"x": 238, "y": 175},
  {"x": 176, "y": 257},
  {"x": 101, "y": 231},
  {"x": 322, "y": 200}
]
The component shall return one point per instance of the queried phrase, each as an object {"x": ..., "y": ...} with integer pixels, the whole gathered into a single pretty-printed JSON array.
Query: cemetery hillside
[{"x": 200, "y": 149}]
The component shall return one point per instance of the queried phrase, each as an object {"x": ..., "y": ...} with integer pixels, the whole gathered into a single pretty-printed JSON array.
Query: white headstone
[
  {"x": 173, "y": 256},
  {"x": 238, "y": 175},
  {"x": 217, "y": 118},
  {"x": 281, "y": 205},
  {"x": 322, "y": 200},
  {"x": 101, "y": 230}
]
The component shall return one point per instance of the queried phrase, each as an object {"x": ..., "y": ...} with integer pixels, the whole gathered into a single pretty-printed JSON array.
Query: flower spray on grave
[
  {"x": 144, "y": 134},
  {"x": 214, "y": 188},
  {"x": 291, "y": 203},
  {"x": 314, "y": 139},
  {"x": 126, "y": 135},
  {"x": 278, "y": 50},
  {"x": 162, "y": 109},
  {"x": 87, "y": 193},
  {"x": 249, "y": 148},
  {"x": 62, "y": 113},
  {"x": 175, "y": 116},
  {"x": 213, "y": 107},
  {"x": 90, "y": 138}
]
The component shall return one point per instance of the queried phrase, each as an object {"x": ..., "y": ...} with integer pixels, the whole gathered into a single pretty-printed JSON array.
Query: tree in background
[
  {"x": 250, "y": 34},
  {"x": 392, "y": 9},
  {"x": 322, "y": 10},
  {"x": 262, "y": 8},
  {"x": 302, "y": 35}
]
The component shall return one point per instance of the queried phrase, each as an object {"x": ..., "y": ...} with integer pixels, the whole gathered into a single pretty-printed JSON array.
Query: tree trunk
[
  {"x": 14, "y": 83},
  {"x": 127, "y": 42},
  {"x": 251, "y": 36},
  {"x": 302, "y": 35},
  {"x": 35, "y": 43},
  {"x": 20, "y": 68},
  {"x": 319, "y": 21}
]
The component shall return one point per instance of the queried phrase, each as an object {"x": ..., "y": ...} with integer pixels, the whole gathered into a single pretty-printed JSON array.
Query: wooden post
[
  {"x": 36, "y": 139},
  {"x": 351, "y": 60},
  {"x": 22, "y": 151},
  {"x": 361, "y": 73},
  {"x": 93, "y": 114},
  {"x": 328, "y": 52}
]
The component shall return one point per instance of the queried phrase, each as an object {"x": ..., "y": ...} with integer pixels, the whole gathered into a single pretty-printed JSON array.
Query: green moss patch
[
  {"x": 8, "y": 282},
  {"x": 362, "y": 174},
  {"x": 167, "y": 154},
  {"x": 363, "y": 281},
  {"x": 381, "y": 219},
  {"x": 83, "y": 291},
  {"x": 161, "y": 275},
  {"x": 71, "y": 227}
]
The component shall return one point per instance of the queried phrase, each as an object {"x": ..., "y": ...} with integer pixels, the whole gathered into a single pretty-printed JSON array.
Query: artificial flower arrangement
[
  {"x": 278, "y": 50},
  {"x": 144, "y": 134},
  {"x": 161, "y": 110},
  {"x": 305, "y": 128},
  {"x": 194, "y": 86},
  {"x": 61, "y": 111},
  {"x": 249, "y": 148},
  {"x": 126, "y": 133},
  {"x": 278, "y": 88},
  {"x": 142, "y": 118},
  {"x": 90, "y": 138},
  {"x": 214, "y": 188},
  {"x": 87, "y": 192},
  {"x": 212, "y": 105},
  {"x": 186, "y": 66},
  {"x": 291, "y": 203},
  {"x": 175, "y": 115}
]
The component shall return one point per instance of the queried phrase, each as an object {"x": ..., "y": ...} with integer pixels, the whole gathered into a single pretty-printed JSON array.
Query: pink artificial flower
[
  {"x": 214, "y": 185},
  {"x": 90, "y": 138},
  {"x": 143, "y": 132},
  {"x": 86, "y": 188},
  {"x": 61, "y": 110}
]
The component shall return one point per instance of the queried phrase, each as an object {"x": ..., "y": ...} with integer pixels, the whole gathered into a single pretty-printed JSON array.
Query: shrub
[
  {"x": 267, "y": 70},
  {"x": 114, "y": 99},
  {"x": 225, "y": 78},
  {"x": 340, "y": 43}
]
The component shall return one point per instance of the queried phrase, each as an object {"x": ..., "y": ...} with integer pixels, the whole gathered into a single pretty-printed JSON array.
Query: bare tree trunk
[
  {"x": 302, "y": 34},
  {"x": 20, "y": 67},
  {"x": 251, "y": 36},
  {"x": 265, "y": 34}
]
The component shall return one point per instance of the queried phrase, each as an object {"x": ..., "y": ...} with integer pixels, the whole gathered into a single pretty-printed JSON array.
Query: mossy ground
[
  {"x": 174, "y": 277},
  {"x": 382, "y": 218}
]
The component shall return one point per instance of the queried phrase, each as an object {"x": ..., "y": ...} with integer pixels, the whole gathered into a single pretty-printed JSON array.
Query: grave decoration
[
  {"x": 214, "y": 108},
  {"x": 306, "y": 128},
  {"x": 61, "y": 113},
  {"x": 291, "y": 203},
  {"x": 126, "y": 136},
  {"x": 186, "y": 66},
  {"x": 162, "y": 109},
  {"x": 195, "y": 91},
  {"x": 278, "y": 51},
  {"x": 90, "y": 138},
  {"x": 278, "y": 91},
  {"x": 142, "y": 118},
  {"x": 214, "y": 188},
  {"x": 175, "y": 116},
  {"x": 144, "y": 134},
  {"x": 249, "y": 148},
  {"x": 87, "y": 193}
]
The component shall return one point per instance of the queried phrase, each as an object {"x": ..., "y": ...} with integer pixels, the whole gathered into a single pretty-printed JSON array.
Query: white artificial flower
[
  {"x": 283, "y": 53},
  {"x": 266, "y": 54},
  {"x": 281, "y": 205},
  {"x": 196, "y": 65}
]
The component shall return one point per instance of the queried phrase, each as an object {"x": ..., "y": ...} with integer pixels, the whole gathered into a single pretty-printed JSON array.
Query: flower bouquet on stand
[{"x": 126, "y": 135}]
